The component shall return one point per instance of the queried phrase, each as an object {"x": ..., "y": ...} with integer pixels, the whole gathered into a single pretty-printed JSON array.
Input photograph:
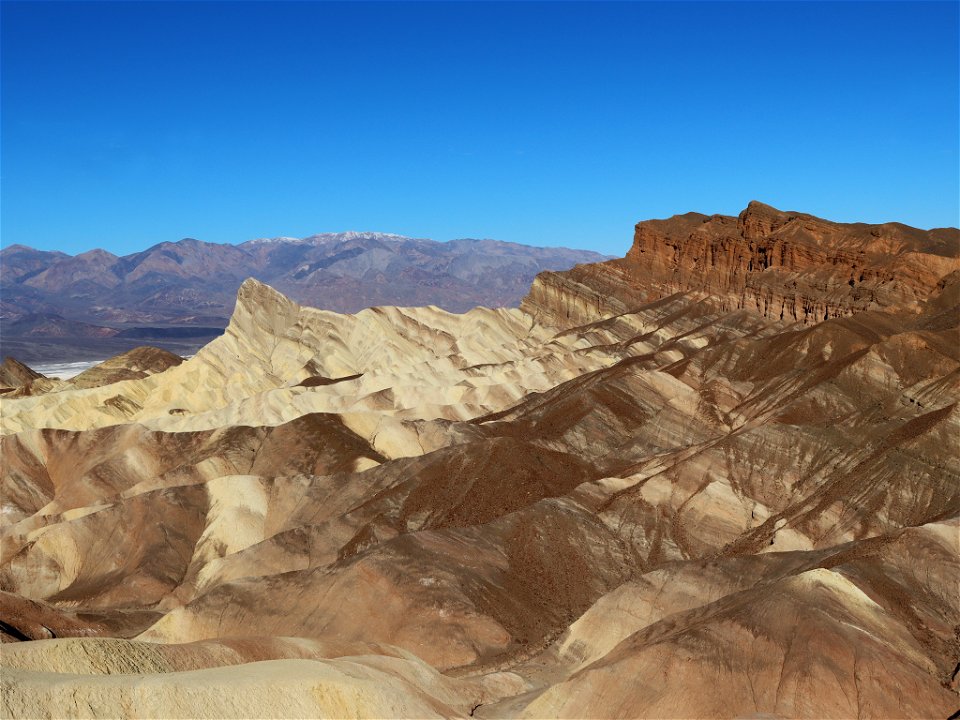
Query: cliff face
[{"x": 783, "y": 265}]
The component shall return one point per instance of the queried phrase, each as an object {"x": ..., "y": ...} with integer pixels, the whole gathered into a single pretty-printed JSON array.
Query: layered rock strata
[{"x": 787, "y": 266}]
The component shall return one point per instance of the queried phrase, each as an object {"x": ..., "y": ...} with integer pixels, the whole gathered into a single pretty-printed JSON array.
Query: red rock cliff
[{"x": 784, "y": 265}]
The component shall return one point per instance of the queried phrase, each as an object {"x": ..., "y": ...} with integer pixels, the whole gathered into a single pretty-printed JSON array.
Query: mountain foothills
[
  {"x": 715, "y": 478},
  {"x": 180, "y": 295}
]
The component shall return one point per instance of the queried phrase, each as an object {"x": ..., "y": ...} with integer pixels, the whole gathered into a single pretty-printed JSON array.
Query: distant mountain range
[{"x": 179, "y": 294}]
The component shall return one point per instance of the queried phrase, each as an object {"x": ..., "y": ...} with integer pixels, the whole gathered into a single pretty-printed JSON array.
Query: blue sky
[{"x": 127, "y": 124}]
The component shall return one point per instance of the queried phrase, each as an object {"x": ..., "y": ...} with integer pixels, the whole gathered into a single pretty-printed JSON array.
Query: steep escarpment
[{"x": 786, "y": 266}]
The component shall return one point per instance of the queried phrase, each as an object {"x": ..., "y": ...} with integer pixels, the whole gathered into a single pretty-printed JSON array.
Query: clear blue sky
[{"x": 127, "y": 124}]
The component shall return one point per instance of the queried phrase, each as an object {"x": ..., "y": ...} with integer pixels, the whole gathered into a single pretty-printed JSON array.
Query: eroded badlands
[{"x": 717, "y": 478}]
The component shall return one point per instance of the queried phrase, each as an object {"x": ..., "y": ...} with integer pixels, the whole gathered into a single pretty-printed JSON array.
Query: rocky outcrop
[
  {"x": 786, "y": 266},
  {"x": 19, "y": 380},
  {"x": 132, "y": 365},
  {"x": 582, "y": 295},
  {"x": 14, "y": 374}
]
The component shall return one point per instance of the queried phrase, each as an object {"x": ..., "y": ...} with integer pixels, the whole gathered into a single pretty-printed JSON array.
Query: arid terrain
[
  {"x": 56, "y": 307},
  {"x": 716, "y": 478}
]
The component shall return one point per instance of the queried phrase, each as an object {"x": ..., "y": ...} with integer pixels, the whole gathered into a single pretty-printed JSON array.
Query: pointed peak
[
  {"x": 253, "y": 292},
  {"x": 259, "y": 305},
  {"x": 759, "y": 219},
  {"x": 96, "y": 254},
  {"x": 757, "y": 205},
  {"x": 251, "y": 287}
]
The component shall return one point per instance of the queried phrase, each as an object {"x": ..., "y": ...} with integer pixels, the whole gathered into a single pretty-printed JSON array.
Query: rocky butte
[{"x": 716, "y": 478}]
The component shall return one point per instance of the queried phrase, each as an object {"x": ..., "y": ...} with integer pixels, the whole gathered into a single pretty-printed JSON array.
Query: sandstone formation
[{"x": 644, "y": 494}]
